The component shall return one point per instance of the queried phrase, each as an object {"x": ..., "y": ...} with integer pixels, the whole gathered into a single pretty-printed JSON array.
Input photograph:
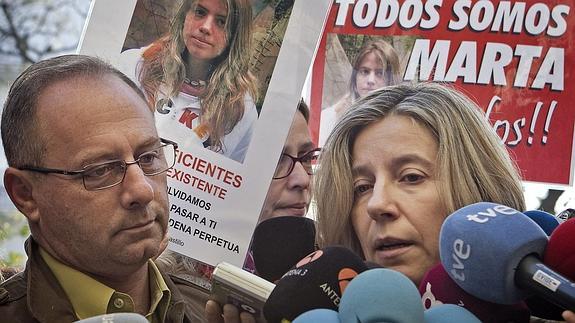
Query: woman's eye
[
  {"x": 412, "y": 178},
  {"x": 221, "y": 22},
  {"x": 307, "y": 158},
  {"x": 199, "y": 12},
  {"x": 362, "y": 189}
]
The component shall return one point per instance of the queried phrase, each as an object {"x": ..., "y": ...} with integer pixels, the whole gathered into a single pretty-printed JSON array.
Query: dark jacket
[{"x": 35, "y": 295}]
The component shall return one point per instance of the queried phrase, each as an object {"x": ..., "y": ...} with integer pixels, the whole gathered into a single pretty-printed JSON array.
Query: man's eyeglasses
[
  {"x": 104, "y": 175},
  {"x": 286, "y": 163}
]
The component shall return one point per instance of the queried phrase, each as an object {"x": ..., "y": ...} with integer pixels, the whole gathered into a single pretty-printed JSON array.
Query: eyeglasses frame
[
  {"x": 44, "y": 170},
  {"x": 295, "y": 160}
]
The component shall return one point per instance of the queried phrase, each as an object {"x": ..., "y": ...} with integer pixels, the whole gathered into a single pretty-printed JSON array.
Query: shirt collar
[{"x": 102, "y": 299}]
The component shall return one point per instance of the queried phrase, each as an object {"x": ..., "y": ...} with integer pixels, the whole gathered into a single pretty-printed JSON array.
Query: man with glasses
[{"x": 87, "y": 169}]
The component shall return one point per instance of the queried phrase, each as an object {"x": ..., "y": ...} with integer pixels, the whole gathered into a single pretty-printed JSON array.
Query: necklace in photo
[{"x": 195, "y": 83}]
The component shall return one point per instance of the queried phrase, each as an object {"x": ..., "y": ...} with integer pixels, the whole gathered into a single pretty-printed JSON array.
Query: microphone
[
  {"x": 437, "y": 288},
  {"x": 381, "y": 295},
  {"x": 560, "y": 253},
  {"x": 559, "y": 256},
  {"x": 498, "y": 271},
  {"x": 566, "y": 215},
  {"x": 546, "y": 221},
  {"x": 115, "y": 318},
  {"x": 449, "y": 313},
  {"x": 322, "y": 315},
  {"x": 279, "y": 243},
  {"x": 539, "y": 306},
  {"x": 316, "y": 281}
]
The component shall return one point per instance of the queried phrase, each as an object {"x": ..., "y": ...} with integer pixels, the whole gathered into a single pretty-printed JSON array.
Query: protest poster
[
  {"x": 215, "y": 194},
  {"x": 515, "y": 59}
]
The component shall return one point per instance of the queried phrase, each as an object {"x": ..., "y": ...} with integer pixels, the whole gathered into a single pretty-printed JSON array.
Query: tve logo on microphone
[
  {"x": 460, "y": 252},
  {"x": 484, "y": 215}
]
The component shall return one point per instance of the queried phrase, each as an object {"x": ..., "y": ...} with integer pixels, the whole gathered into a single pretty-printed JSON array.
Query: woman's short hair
[{"x": 471, "y": 160}]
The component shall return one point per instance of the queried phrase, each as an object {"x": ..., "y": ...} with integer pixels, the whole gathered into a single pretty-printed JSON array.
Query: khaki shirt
[{"x": 35, "y": 295}]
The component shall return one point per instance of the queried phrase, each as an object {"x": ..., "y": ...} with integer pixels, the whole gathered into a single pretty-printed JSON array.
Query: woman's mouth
[
  {"x": 200, "y": 42},
  {"x": 295, "y": 209},
  {"x": 391, "y": 248}
]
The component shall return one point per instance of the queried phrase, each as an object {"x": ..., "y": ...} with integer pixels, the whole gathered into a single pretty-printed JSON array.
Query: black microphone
[
  {"x": 316, "y": 281},
  {"x": 279, "y": 243},
  {"x": 539, "y": 306}
]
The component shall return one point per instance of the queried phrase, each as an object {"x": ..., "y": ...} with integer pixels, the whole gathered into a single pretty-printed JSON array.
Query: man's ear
[{"x": 19, "y": 187}]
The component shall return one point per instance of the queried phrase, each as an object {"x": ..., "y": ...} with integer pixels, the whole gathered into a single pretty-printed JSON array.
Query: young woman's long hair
[{"x": 163, "y": 70}]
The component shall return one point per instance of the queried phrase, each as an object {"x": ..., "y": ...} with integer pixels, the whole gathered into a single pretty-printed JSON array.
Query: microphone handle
[{"x": 532, "y": 275}]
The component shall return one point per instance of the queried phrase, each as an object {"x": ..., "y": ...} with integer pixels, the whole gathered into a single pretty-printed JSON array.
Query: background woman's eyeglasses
[{"x": 286, "y": 163}]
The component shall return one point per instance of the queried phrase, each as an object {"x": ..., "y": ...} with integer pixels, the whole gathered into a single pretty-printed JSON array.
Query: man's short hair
[{"x": 22, "y": 141}]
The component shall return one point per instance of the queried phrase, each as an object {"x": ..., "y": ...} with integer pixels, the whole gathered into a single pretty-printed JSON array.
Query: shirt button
[{"x": 118, "y": 303}]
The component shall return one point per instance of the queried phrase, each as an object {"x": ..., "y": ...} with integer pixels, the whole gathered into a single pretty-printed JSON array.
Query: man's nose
[{"x": 137, "y": 188}]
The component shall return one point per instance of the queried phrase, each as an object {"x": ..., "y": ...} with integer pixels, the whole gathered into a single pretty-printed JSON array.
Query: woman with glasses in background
[{"x": 289, "y": 194}]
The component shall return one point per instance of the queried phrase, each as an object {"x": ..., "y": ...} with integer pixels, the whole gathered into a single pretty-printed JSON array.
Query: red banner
[{"x": 515, "y": 59}]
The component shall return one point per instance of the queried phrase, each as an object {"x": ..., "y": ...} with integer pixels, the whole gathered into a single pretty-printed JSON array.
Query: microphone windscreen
[
  {"x": 115, "y": 318},
  {"x": 279, "y": 243},
  {"x": 560, "y": 252},
  {"x": 316, "y": 281},
  {"x": 322, "y": 315},
  {"x": 437, "y": 288},
  {"x": 449, "y": 313},
  {"x": 546, "y": 221},
  {"x": 481, "y": 246},
  {"x": 381, "y": 295}
]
